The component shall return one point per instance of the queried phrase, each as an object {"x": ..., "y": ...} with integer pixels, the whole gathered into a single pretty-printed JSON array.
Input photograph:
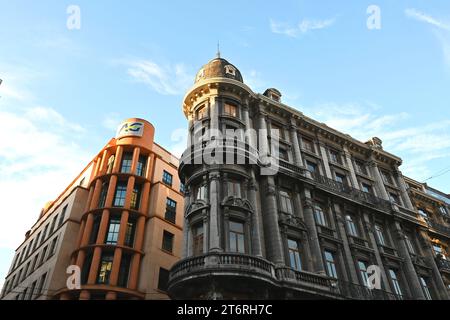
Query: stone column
[
  {"x": 369, "y": 229},
  {"x": 214, "y": 201},
  {"x": 263, "y": 145},
  {"x": 190, "y": 124},
  {"x": 431, "y": 262},
  {"x": 316, "y": 251},
  {"x": 375, "y": 172},
  {"x": 214, "y": 115},
  {"x": 326, "y": 164},
  {"x": 255, "y": 236},
  {"x": 295, "y": 144},
  {"x": 403, "y": 189},
  {"x": 274, "y": 245},
  {"x": 349, "y": 261},
  {"x": 186, "y": 227},
  {"x": 348, "y": 159},
  {"x": 409, "y": 270}
]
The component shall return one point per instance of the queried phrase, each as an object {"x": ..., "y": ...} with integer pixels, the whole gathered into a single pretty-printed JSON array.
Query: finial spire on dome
[{"x": 218, "y": 50}]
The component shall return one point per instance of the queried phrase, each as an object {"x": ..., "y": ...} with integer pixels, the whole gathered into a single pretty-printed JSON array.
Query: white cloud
[
  {"x": 164, "y": 79},
  {"x": 416, "y": 145},
  {"x": 303, "y": 27},
  {"x": 39, "y": 155},
  {"x": 112, "y": 121},
  {"x": 441, "y": 30},
  {"x": 424, "y": 17}
]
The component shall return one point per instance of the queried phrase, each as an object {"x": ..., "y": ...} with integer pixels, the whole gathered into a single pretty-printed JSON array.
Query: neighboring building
[
  {"x": 335, "y": 206},
  {"x": 120, "y": 221},
  {"x": 433, "y": 207}
]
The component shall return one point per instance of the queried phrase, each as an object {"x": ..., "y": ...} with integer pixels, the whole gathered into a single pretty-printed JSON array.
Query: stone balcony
[{"x": 243, "y": 276}]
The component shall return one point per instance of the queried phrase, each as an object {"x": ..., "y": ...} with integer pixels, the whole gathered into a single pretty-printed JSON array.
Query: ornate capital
[
  {"x": 213, "y": 176},
  {"x": 271, "y": 190}
]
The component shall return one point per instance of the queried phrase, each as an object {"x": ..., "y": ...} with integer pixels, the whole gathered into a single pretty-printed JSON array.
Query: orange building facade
[{"x": 128, "y": 233}]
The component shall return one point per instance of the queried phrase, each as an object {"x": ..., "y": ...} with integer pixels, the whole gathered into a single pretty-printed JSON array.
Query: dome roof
[{"x": 218, "y": 68}]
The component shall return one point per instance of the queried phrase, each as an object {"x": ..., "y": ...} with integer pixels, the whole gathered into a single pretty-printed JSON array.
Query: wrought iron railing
[
  {"x": 443, "y": 264},
  {"x": 438, "y": 227},
  {"x": 358, "y": 292}
]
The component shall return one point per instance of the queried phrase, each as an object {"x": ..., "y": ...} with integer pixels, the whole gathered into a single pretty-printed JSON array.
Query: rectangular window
[
  {"x": 363, "y": 273},
  {"x": 380, "y": 235},
  {"x": 43, "y": 255},
  {"x": 394, "y": 198},
  {"x": 230, "y": 109},
  {"x": 167, "y": 242},
  {"x": 127, "y": 160},
  {"x": 103, "y": 193},
  {"x": 53, "y": 247},
  {"x": 311, "y": 166},
  {"x": 283, "y": 154},
  {"x": 41, "y": 285},
  {"x": 409, "y": 244},
  {"x": 52, "y": 228},
  {"x": 31, "y": 294},
  {"x": 171, "y": 210},
  {"x": 234, "y": 188},
  {"x": 113, "y": 230},
  {"x": 197, "y": 234},
  {"x": 129, "y": 234},
  {"x": 351, "y": 227},
  {"x": 182, "y": 188},
  {"x": 44, "y": 234},
  {"x": 95, "y": 228},
  {"x": 425, "y": 288},
  {"x": 331, "y": 265},
  {"x": 367, "y": 188},
  {"x": 335, "y": 156},
  {"x": 163, "y": 279},
  {"x": 340, "y": 178},
  {"x": 167, "y": 178},
  {"x": 119, "y": 196},
  {"x": 395, "y": 283},
  {"x": 319, "y": 216},
  {"x": 33, "y": 266},
  {"x": 308, "y": 145},
  {"x": 294, "y": 255},
  {"x": 140, "y": 168},
  {"x": 105, "y": 268},
  {"x": 201, "y": 193},
  {"x": 277, "y": 131},
  {"x": 124, "y": 270},
  {"x": 285, "y": 202},
  {"x": 360, "y": 167},
  {"x": 136, "y": 197},
  {"x": 386, "y": 176},
  {"x": 202, "y": 112},
  {"x": 236, "y": 234},
  {"x": 62, "y": 216},
  {"x": 37, "y": 241}
]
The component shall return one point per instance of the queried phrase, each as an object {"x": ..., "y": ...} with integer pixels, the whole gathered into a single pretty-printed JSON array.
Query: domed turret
[{"x": 218, "y": 68}]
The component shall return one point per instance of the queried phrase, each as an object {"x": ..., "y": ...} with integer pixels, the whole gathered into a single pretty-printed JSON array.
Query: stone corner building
[{"x": 336, "y": 207}]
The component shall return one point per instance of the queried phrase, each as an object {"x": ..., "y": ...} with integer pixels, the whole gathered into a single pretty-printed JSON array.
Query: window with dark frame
[
  {"x": 396, "y": 283},
  {"x": 362, "y": 266},
  {"x": 119, "y": 195},
  {"x": 380, "y": 234},
  {"x": 127, "y": 160},
  {"x": 141, "y": 165},
  {"x": 285, "y": 202},
  {"x": 201, "y": 112},
  {"x": 130, "y": 232},
  {"x": 294, "y": 254},
  {"x": 351, "y": 226},
  {"x": 311, "y": 166},
  {"x": 167, "y": 178},
  {"x": 319, "y": 215},
  {"x": 136, "y": 197},
  {"x": 308, "y": 145},
  {"x": 167, "y": 242},
  {"x": 230, "y": 109},
  {"x": 171, "y": 210},
  {"x": 103, "y": 193},
  {"x": 112, "y": 236},
  {"x": 197, "y": 234},
  {"x": 105, "y": 268},
  {"x": 236, "y": 236},
  {"x": 163, "y": 279},
  {"x": 331, "y": 264}
]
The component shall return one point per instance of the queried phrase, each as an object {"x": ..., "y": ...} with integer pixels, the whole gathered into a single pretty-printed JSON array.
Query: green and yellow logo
[{"x": 130, "y": 128}]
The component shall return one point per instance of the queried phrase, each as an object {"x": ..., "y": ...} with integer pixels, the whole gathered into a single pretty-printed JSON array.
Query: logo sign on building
[{"x": 130, "y": 128}]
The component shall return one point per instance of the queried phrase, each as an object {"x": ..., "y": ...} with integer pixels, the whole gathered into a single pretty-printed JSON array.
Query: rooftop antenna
[{"x": 218, "y": 50}]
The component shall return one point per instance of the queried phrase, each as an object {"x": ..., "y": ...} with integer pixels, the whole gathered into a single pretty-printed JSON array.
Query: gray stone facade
[{"x": 333, "y": 207}]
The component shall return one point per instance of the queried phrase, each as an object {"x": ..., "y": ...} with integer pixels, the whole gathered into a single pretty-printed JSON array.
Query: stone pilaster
[
  {"x": 255, "y": 222},
  {"x": 409, "y": 270},
  {"x": 295, "y": 144},
  {"x": 326, "y": 164},
  {"x": 214, "y": 232},
  {"x": 348, "y": 159},
  {"x": 403, "y": 189},
  {"x": 375, "y": 172}
]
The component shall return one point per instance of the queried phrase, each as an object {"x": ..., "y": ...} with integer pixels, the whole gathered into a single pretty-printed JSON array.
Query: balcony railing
[
  {"x": 443, "y": 264},
  {"x": 354, "y": 291},
  {"x": 438, "y": 227},
  {"x": 247, "y": 264}
]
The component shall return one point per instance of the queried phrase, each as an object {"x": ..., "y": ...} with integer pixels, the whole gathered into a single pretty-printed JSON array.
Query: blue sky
[{"x": 64, "y": 91}]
